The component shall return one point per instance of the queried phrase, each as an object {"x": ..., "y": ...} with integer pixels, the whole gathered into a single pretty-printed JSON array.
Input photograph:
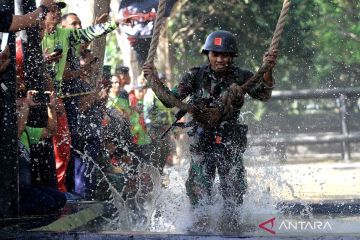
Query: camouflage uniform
[{"x": 221, "y": 147}]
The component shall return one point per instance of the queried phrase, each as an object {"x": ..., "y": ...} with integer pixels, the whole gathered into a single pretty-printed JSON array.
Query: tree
[{"x": 305, "y": 47}]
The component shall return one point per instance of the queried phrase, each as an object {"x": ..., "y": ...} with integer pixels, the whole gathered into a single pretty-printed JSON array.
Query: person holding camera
[{"x": 35, "y": 199}]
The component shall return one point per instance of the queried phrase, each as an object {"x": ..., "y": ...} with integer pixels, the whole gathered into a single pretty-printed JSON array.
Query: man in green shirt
[
  {"x": 63, "y": 39},
  {"x": 35, "y": 199}
]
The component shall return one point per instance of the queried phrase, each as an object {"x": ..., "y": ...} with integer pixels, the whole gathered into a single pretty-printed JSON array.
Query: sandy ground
[{"x": 309, "y": 181}]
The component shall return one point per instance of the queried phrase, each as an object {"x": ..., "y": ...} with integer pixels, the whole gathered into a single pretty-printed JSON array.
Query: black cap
[
  {"x": 122, "y": 70},
  {"x": 61, "y": 5}
]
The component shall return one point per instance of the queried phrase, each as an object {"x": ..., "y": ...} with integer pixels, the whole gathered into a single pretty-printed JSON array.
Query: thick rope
[
  {"x": 236, "y": 92},
  {"x": 160, "y": 19},
  {"x": 280, "y": 25},
  {"x": 157, "y": 87},
  {"x": 274, "y": 45}
]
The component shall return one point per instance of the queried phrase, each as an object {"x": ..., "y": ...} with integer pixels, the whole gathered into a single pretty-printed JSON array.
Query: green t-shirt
[
  {"x": 31, "y": 136},
  {"x": 138, "y": 130},
  {"x": 68, "y": 38}
]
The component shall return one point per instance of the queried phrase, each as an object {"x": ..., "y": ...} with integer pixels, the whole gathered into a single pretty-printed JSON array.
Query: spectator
[
  {"x": 119, "y": 167},
  {"x": 91, "y": 108},
  {"x": 119, "y": 100},
  {"x": 63, "y": 39},
  {"x": 72, "y": 86},
  {"x": 60, "y": 43},
  {"x": 34, "y": 200}
]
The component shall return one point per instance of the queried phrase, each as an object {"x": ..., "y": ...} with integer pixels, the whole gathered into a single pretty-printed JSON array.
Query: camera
[
  {"x": 41, "y": 97},
  {"x": 21, "y": 93}
]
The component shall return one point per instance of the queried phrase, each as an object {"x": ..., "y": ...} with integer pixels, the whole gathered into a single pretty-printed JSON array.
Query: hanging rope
[
  {"x": 157, "y": 87},
  {"x": 280, "y": 25},
  {"x": 274, "y": 45},
  {"x": 236, "y": 92},
  {"x": 160, "y": 19}
]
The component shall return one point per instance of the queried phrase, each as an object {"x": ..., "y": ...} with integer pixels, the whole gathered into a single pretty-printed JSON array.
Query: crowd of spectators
[{"x": 92, "y": 128}]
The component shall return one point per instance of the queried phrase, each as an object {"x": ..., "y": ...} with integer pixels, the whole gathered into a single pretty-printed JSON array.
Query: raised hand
[{"x": 269, "y": 58}]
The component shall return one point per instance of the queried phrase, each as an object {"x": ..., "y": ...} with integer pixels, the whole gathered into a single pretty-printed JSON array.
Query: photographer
[{"x": 35, "y": 199}]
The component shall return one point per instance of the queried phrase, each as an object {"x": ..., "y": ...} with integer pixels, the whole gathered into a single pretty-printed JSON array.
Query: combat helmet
[{"x": 220, "y": 41}]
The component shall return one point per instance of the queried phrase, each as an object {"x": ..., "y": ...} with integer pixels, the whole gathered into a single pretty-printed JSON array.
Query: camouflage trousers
[{"x": 228, "y": 162}]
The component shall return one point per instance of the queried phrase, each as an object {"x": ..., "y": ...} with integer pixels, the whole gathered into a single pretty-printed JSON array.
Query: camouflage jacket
[{"x": 203, "y": 83}]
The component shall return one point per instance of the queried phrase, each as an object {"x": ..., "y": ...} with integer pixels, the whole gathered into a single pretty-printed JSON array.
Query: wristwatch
[{"x": 45, "y": 10}]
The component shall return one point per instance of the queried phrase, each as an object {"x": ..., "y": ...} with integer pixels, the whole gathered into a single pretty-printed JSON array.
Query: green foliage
[
  {"x": 319, "y": 47},
  {"x": 112, "y": 51}
]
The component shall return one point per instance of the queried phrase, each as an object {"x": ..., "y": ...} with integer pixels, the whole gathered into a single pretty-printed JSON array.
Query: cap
[
  {"x": 122, "y": 70},
  {"x": 61, "y": 5}
]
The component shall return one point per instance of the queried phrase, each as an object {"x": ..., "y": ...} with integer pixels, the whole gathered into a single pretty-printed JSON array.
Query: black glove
[
  {"x": 233, "y": 99},
  {"x": 208, "y": 117}
]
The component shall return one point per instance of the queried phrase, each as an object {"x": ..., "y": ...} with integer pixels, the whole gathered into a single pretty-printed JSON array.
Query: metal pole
[
  {"x": 9, "y": 197},
  {"x": 344, "y": 128}
]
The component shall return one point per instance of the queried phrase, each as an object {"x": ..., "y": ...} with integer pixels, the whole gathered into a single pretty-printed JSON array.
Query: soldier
[{"x": 218, "y": 138}]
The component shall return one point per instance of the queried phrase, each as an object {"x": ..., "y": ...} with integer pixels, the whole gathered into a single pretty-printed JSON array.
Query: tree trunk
[{"x": 163, "y": 57}]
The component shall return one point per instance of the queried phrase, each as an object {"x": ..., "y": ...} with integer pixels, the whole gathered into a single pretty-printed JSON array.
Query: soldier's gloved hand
[
  {"x": 150, "y": 72},
  {"x": 208, "y": 117},
  {"x": 270, "y": 57},
  {"x": 234, "y": 97}
]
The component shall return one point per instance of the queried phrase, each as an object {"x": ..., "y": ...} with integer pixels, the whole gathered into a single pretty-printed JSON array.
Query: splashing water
[{"x": 167, "y": 209}]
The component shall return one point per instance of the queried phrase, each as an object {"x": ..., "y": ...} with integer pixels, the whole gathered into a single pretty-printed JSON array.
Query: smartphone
[
  {"x": 41, "y": 97},
  {"x": 58, "y": 50}
]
